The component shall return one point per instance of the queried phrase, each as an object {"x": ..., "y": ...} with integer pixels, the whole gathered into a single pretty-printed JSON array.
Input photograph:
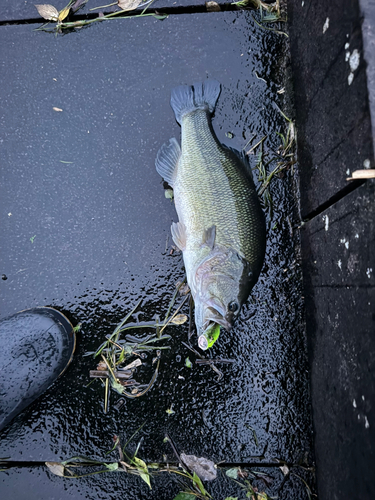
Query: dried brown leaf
[
  {"x": 134, "y": 364},
  {"x": 56, "y": 468},
  {"x": 213, "y": 6},
  {"x": 129, "y": 4},
  {"x": 48, "y": 12},
  {"x": 101, "y": 366},
  {"x": 180, "y": 319},
  {"x": 284, "y": 469}
]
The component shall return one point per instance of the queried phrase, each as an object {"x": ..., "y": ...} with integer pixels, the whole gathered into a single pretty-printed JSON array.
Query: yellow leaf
[
  {"x": 63, "y": 13},
  {"x": 129, "y": 4},
  {"x": 48, "y": 12},
  {"x": 180, "y": 319}
]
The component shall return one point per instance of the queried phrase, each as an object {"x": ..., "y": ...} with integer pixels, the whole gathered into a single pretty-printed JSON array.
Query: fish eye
[{"x": 233, "y": 306}]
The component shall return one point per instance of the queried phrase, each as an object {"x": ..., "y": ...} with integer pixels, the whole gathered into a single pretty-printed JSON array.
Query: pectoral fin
[
  {"x": 178, "y": 231},
  {"x": 209, "y": 236},
  {"x": 167, "y": 159}
]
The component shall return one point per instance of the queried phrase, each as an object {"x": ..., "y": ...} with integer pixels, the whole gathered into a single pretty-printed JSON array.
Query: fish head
[{"x": 222, "y": 283}]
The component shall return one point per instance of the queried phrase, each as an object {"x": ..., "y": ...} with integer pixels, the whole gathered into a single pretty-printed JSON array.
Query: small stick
[
  {"x": 106, "y": 374},
  {"x": 191, "y": 303},
  {"x": 174, "y": 314},
  {"x": 256, "y": 145},
  {"x": 217, "y": 360},
  {"x": 106, "y": 396},
  {"x": 207, "y": 361}
]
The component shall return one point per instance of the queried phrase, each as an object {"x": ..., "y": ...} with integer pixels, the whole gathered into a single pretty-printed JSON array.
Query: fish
[{"x": 221, "y": 225}]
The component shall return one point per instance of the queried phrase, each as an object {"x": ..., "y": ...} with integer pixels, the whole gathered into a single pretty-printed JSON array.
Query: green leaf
[
  {"x": 77, "y": 328},
  {"x": 113, "y": 466},
  {"x": 197, "y": 481},
  {"x": 146, "y": 479},
  {"x": 232, "y": 473},
  {"x": 184, "y": 496},
  {"x": 188, "y": 363},
  {"x": 160, "y": 17},
  {"x": 116, "y": 386},
  {"x": 143, "y": 470},
  {"x": 168, "y": 193},
  {"x": 271, "y": 18}
]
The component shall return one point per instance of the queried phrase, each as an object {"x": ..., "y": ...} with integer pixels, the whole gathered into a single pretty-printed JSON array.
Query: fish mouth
[{"x": 214, "y": 316}]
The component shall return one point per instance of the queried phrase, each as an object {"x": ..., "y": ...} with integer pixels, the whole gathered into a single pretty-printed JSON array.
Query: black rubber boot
[{"x": 36, "y": 346}]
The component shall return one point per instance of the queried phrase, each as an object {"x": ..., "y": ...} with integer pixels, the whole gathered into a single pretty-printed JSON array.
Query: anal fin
[
  {"x": 178, "y": 231},
  {"x": 167, "y": 159}
]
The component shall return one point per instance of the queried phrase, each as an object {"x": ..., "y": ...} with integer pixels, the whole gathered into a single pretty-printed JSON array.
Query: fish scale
[{"x": 214, "y": 188}]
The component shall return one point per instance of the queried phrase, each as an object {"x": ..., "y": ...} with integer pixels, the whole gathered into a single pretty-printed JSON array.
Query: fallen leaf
[
  {"x": 113, "y": 466},
  {"x": 143, "y": 470},
  {"x": 134, "y": 364},
  {"x": 185, "y": 496},
  {"x": 56, "y": 109},
  {"x": 232, "y": 473},
  {"x": 179, "y": 319},
  {"x": 284, "y": 469},
  {"x": 168, "y": 193},
  {"x": 188, "y": 363},
  {"x": 63, "y": 13},
  {"x": 56, "y": 468},
  {"x": 101, "y": 366},
  {"x": 202, "y": 468},
  {"x": 48, "y": 12},
  {"x": 129, "y": 4},
  {"x": 213, "y": 6},
  {"x": 117, "y": 386}
]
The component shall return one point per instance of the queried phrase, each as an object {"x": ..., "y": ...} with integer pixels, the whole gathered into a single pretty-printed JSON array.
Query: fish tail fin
[{"x": 186, "y": 98}]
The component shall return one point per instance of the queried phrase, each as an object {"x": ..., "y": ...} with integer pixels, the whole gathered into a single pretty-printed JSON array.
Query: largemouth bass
[{"x": 221, "y": 227}]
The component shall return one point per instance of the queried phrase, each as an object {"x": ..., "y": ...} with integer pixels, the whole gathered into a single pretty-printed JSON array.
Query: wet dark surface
[
  {"x": 339, "y": 281},
  {"x": 334, "y": 123},
  {"x": 334, "y": 101},
  {"x": 92, "y": 236}
]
